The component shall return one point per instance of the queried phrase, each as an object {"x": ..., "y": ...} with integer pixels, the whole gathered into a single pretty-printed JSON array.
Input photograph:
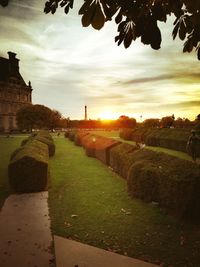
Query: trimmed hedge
[
  {"x": 72, "y": 135},
  {"x": 48, "y": 142},
  {"x": 126, "y": 134},
  {"x": 28, "y": 168},
  {"x": 66, "y": 134},
  {"x": 43, "y": 137},
  {"x": 89, "y": 144},
  {"x": 172, "y": 138},
  {"x": 121, "y": 158},
  {"x": 98, "y": 147},
  {"x": 24, "y": 141},
  {"x": 79, "y": 136},
  {"x": 172, "y": 182},
  {"x": 103, "y": 147}
]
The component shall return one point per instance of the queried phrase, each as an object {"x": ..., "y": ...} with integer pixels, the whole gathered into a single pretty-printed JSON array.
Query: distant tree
[
  {"x": 55, "y": 119},
  {"x": 138, "y": 19},
  {"x": 34, "y": 116},
  {"x": 166, "y": 122},
  {"x": 151, "y": 123},
  {"x": 126, "y": 122},
  {"x": 26, "y": 118}
]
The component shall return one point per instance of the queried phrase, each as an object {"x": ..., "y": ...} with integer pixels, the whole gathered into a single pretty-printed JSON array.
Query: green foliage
[
  {"x": 79, "y": 136},
  {"x": 28, "y": 169},
  {"x": 121, "y": 158},
  {"x": 72, "y": 135},
  {"x": 172, "y": 138},
  {"x": 37, "y": 116},
  {"x": 66, "y": 134},
  {"x": 99, "y": 199},
  {"x": 151, "y": 123},
  {"x": 49, "y": 143},
  {"x": 139, "y": 19},
  {"x": 98, "y": 146},
  {"x": 167, "y": 122},
  {"x": 102, "y": 148},
  {"x": 7, "y": 146},
  {"x": 143, "y": 180},
  {"x": 172, "y": 182},
  {"x": 43, "y": 137},
  {"x": 15, "y": 152},
  {"x": 24, "y": 141},
  {"x": 126, "y": 134}
]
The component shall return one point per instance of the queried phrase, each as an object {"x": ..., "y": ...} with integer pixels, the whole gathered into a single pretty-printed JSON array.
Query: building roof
[{"x": 10, "y": 68}]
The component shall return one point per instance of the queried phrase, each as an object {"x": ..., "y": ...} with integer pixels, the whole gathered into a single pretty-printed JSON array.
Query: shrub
[
  {"x": 102, "y": 148},
  {"x": 28, "y": 168},
  {"x": 24, "y": 141},
  {"x": 143, "y": 180},
  {"x": 173, "y": 182},
  {"x": 43, "y": 137},
  {"x": 79, "y": 136},
  {"x": 126, "y": 134},
  {"x": 172, "y": 138},
  {"x": 14, "y": 153},
  {"x": 66, "y": 134},
  {"x": 121, "y": 158},
  {"x": 89, "y": 143},
  {"x": 45, "y": 134},
  {"x": 99, "y": 147},
  {"x": 72, "y": 135},
  {"x": 48, "y": 142}
]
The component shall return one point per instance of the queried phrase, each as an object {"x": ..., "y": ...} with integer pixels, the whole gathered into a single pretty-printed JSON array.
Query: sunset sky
[{"x": 71, "y": 66}]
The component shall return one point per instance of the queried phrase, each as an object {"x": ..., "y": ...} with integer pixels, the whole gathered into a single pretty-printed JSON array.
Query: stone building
[{"x": 14, "y": 92}]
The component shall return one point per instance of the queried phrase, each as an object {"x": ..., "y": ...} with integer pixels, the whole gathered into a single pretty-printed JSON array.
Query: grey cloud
[
  {"x": 147, "y": 79},
  {"x": 182, "y": 105}
]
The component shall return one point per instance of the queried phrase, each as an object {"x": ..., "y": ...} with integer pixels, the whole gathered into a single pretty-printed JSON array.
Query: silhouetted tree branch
[{"x": 139, "y": 19}]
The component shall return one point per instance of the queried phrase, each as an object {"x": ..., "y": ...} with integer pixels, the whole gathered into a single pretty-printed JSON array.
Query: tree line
[{"x": 37, "y": 116}]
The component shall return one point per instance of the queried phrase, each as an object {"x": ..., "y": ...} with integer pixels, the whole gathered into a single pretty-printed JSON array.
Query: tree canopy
[
  {"x": 37, "y": 116},
  {"x": 138, "y": 19}
]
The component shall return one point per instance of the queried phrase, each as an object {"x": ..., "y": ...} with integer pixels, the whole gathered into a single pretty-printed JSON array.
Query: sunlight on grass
[{"x": 89, "y": 203}]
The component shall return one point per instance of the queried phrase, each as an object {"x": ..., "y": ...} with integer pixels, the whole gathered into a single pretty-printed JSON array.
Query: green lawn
[
  {"x": 7, "y": 146},
  {"x": 115, "y": 134},
  {"x": 89, "y": 203}
]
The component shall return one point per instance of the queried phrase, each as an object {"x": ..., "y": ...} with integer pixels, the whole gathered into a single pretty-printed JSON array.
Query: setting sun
[{"x": 107, "y": 115}]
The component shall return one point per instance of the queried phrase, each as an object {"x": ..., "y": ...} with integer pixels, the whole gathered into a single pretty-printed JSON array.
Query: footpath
[{"x": 26, "y": 240}]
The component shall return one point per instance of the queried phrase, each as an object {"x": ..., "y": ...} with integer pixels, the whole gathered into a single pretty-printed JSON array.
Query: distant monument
[
  {"x": 14, "y": 92},
  {"x": 85, "y": 113}
]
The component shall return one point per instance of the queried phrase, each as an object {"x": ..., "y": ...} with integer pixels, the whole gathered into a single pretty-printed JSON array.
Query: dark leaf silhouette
[
  {"x": 198, "y": 53},
  {"x": 143, "y": 15},
  {"x": 4, "y": 2},
  {"x": 188, "y": 46}
]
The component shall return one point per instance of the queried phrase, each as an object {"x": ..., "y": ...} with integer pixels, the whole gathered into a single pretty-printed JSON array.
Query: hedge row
[
  {"x": 28, "y": 166},
  {"x": 172, "y": 138},
  {"x": 172, "y": 182},
  {"x": 99, "y": 147},
  {"x": 151, "y": 176}
]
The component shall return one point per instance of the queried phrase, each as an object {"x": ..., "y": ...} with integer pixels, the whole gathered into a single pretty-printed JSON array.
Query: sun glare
[{"x": 106, "y": 115}]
